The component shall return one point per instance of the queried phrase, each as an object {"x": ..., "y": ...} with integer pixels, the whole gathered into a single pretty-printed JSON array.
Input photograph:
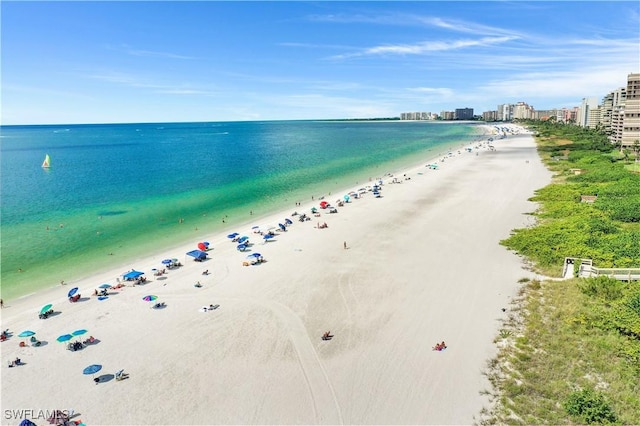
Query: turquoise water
[{"x": 119, "y": 190}]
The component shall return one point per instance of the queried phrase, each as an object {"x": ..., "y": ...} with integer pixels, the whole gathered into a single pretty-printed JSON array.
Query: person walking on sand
[
  {"x": 344, "y": 245},
  {"x": 1, "y": 303}
]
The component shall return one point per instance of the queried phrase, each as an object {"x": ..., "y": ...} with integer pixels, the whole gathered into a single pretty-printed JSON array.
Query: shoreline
[
  {"x": 207, "y": 226},
  {"x": 422, "y": 264}
]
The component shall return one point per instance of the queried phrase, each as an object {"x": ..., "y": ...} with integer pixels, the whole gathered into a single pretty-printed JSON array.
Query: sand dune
[{"x": 423, "y": 264}]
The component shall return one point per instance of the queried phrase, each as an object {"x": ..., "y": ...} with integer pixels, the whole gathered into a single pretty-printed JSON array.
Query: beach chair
[{"x": 121, "y": 375}]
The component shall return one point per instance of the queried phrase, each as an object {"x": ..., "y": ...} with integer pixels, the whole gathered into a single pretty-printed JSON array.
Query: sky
[{"x": 82, "y": 62}]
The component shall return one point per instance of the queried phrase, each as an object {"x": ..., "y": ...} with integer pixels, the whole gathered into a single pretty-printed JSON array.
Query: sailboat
[{"x": 47, "y": 162}]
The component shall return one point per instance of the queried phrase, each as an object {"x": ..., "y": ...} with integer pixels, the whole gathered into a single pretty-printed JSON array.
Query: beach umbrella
[
  {"x": 197, "y": 254},
  {"x": 282, "y": 226},
  {"x": 132, "y": 274},
  {"x": 149, "y": 298},
  {"x": 167, "y": 262},
  {"x": 231, "y": 236},
  {"x": 346, "y": 198},
  {"x": 101, "y": 298},
  {"x": 26, "y": 333},
  {"x": 206, "y": 243},
  {"x": 243, "y": 239},
  {"x": 288, "y": 221},
  {"x": 64, "y": 338},
  {"x": 324, "y": 204},
  {"x": 45, "y": 308},
  {"x": 268, "y": 237},
  {"x": 253, "y": 255},
  {"x": 255, "y": 227},
  {"x": 72, "y": 292},
  {"x": 202, "y": 247},
  {"x": 105, "y": 285},
  {"x": 242, "y": 247},
  {"x": 92, "y": 369},
  {"x": 79, "y": 332}
]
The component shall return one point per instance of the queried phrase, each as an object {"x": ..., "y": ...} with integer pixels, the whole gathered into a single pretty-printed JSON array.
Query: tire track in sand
[{"x": 325, "y": 403}]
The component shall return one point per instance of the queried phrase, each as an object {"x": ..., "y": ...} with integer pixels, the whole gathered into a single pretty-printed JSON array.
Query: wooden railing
[{"x": 586, "y": 269}]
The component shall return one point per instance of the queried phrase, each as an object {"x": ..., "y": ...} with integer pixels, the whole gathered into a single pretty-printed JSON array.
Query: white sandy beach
[{"x": 423, "y": 265}]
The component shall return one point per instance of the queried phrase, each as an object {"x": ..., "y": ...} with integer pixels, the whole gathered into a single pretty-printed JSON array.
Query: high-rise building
[
  {"x": 584, "y": 112},
  {"x": 522, "y": 110},
  {"x": 489, "y": 115},
  {"x": 611, "y": 103},
  {"x": 464, "y": 113},
  {"x": 631, "y": 120},
  {"x": 504, "y": 112}
]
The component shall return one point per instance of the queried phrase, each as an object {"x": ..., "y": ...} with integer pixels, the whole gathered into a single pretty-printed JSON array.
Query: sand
[{"x": 423, "y": 264}]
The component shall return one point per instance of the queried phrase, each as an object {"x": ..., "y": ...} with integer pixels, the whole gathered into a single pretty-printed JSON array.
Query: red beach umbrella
[{"x": 202, "y": 246}]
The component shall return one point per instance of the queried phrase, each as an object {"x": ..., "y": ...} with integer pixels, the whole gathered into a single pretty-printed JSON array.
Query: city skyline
[{"x": 118, "y": 62}]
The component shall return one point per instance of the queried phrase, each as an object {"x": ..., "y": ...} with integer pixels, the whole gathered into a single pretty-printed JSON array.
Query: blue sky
[{"x": 155, "y": 61}]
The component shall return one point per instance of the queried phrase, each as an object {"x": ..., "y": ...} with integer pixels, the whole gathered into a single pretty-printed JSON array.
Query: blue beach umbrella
[
  {"x": 253, "y": 255},
  {"x": 27, "y": 333},
  {"x": 206, "y": 243},
  {"x": 79, "y": 332},
  {"x": 64, "y": 338},
  {"x": 288, "y": 221},
  {"x": 232, "y": 236},
  {"x": 243, "y": 239},
  {"x": 72, "y": 292},
  {"x": 242, "y": 247},
  {"x": 105, "y": 285},
  {"x": 268, "y": 237},
  {"x": 101, "y": 298},
  {"x": 167, "y": 262},
  {"x": 92, "y": 369}
]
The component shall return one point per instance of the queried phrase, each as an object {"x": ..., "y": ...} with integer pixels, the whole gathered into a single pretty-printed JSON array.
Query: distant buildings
[
  {"x": 418, "y": 116},
  {"x": 618, "y": 115},
  {"x": 631, "y": 120},
  {"x": 464, "y": 114}
]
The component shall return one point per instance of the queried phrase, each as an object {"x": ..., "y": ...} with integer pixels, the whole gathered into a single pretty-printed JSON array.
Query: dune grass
[
  {"x": 569, "y": 352},
  {"x": 551, "y": 348}
]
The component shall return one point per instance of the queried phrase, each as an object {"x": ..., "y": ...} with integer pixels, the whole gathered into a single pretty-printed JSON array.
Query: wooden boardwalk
[{"x": 587, "y": 270}]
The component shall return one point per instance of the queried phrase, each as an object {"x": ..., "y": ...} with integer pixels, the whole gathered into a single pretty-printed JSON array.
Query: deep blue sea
[{"x": 118, "y": 190}]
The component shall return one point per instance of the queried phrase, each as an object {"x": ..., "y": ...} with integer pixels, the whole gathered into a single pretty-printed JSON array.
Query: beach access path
[{"x": 422, "y": 264}]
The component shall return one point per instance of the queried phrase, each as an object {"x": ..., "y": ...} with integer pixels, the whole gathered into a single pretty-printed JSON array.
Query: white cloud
[
  {"x": 147, "y": 53},
  {"x": 424, "y": 47}
]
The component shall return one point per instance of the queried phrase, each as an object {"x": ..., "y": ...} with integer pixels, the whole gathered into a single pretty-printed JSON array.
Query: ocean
[{"x": 116, "y": 191}]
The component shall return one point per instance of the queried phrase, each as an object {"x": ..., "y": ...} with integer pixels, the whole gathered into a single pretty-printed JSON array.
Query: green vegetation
[
  {"x": 608, "y": 230},
  {"x": 570, "y": 349}
]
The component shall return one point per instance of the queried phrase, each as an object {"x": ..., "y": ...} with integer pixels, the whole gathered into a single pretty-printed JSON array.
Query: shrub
[
  {"x": 603, "y": 287},
  {"x": 589, "y": 406}
]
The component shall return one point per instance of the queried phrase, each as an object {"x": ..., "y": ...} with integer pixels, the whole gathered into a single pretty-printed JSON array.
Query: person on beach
[
  {"x": 1, "y": 303},
  {"x": 440, "y": 346},
  {"x": 344, "y": 245}
]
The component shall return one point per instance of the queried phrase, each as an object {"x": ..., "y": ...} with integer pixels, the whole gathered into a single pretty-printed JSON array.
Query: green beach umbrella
[{"x": 45, "y": 308}]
